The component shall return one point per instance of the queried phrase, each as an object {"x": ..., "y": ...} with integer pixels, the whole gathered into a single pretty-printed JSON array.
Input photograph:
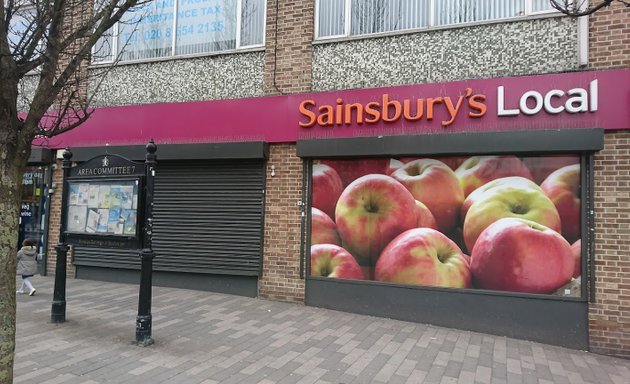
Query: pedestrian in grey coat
[{"x": 27, "y": 266}]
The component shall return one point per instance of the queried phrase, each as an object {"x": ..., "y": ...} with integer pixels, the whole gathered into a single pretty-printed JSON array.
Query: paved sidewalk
[{"x": 203, "y": 337}]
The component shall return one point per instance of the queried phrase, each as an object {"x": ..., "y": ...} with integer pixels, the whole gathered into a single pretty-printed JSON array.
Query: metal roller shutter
[{"x": 208, "y": 218}]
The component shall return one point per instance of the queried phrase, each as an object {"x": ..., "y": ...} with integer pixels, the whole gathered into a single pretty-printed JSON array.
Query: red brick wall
[
  {"x": 54, "y": 225},
  {"x": 288, "y": 46},
  {"x": 288, "y": 70},
  {"x": 609, "y": 316},
  {"x": 283, "y": 227},
  {"x": 609, "y": 37},
  {"x": 77, "y": 10}
]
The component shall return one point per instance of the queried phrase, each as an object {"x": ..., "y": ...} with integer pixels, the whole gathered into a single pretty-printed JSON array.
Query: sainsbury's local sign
[
  {"x": 588, "y": 99},
  {"x": 446, "y": 108}
]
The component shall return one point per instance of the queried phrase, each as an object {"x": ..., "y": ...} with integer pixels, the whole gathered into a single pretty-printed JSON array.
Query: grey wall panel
[
  {"x": 491, "y": 50},
  {"x": 213, "y": 77}
]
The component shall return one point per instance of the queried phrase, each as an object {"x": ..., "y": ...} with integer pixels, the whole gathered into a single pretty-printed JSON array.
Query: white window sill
[
  {"x": 535, "y": 16},
  {"x": 177, "y": 57}
]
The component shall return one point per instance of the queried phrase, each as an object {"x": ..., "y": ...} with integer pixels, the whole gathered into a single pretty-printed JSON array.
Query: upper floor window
[
  {"x": 26, "y": 30},
  {"x": 340, "y": 18},
  {"x": 164, "y": 28}
]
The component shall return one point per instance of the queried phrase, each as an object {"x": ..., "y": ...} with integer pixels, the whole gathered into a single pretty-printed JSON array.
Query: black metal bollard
[{"x": 58, "y": 313}]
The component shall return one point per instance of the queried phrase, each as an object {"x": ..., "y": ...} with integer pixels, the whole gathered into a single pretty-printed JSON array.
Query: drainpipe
[{"x": 582, "y": 37}]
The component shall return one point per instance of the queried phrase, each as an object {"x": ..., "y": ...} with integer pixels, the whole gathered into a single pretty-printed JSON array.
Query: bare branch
[
  {"x": 578, "y": 8},
  {"x": 67, "y": 50}
]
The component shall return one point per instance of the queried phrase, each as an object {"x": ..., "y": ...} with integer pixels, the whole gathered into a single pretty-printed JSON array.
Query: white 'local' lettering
[{"x": 579, "y": 100}]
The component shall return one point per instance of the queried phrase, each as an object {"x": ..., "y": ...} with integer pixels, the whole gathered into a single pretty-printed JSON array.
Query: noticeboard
[{"x": 104, "y": 202}]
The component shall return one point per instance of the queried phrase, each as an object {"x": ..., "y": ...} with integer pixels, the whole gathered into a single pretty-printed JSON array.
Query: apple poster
[{"x": 501, "y": 223}]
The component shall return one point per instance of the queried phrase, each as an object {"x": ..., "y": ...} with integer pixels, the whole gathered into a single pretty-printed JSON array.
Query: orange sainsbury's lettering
[
  {"x": 348, "y": 114},
  {"x": 372, "y": 110},
  {"x": 339, "y": 112},
  {"x": 477, "y": 103},
  {"x": 453, "y": 110},
  {"x": 387, "y": 106},
  {"x": 326, "y": 116},
  {"x": 390, "y": 110},
  {"x": 407, "y": 110},
  {"x": 310, "y": 115}
]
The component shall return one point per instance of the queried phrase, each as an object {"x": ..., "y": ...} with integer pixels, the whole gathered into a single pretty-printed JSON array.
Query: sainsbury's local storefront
[{"x": 466, "y": 204}]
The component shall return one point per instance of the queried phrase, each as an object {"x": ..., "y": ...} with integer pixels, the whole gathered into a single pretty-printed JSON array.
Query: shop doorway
[{"x": 33, "y": 211}]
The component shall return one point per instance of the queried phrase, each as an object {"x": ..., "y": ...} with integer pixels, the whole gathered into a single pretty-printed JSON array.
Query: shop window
[
  {"x": 33, "y": 207},
  {"x": 164, "y": 28},
  {"x": 339, "y": 18},
  {"x": 507, "y": 223}
]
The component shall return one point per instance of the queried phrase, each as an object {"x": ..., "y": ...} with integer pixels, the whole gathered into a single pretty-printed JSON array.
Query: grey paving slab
[{"x": 211, "y": 338}]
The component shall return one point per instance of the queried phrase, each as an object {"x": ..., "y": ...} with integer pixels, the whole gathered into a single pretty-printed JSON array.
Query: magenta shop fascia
[{"x": 596, "y": 99}]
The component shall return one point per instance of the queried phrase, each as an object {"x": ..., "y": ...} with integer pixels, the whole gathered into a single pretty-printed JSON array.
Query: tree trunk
[{"x": 12, "y": 162}]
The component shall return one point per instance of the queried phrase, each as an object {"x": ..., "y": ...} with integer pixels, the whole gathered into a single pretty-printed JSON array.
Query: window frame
[
  {"x": 114, "y": 56},
  {"x": 528, "y": 13}
]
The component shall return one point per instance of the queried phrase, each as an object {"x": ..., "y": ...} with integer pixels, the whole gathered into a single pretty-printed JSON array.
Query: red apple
[
  {"x": 436, "y": 186},
  {"x": 478, "y": 170},
  {"x": 394, "y": 164},
  {"x": 504, "y": 182},
  {"x": 371, "y": 211},
  {"x": 350, "y": 170},
  {"x": 509, "y": 201},
  {"x": 425, "y": 217},
  {"x": 331, "y": 260},
  {"x": 543, "y": 166},
  {"x": 576, "y": 250},
  {"x": 323, "y": 229},
  {"x": 521, "y": 256},
  {"x": 563, "y": 188},
  {"x": 423, "y": 256},
  {"x": 327, "y": 188}
]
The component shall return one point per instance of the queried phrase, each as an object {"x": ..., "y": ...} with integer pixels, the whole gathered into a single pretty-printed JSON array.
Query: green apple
[
  {"x": 504, "y": 182},
  {"x": 509, "y": 201}
]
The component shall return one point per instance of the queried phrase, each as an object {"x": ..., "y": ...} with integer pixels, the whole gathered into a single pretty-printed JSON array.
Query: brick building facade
[
  {"x": 608, "y": 316},
  {"x": 291, "y": 63}
]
